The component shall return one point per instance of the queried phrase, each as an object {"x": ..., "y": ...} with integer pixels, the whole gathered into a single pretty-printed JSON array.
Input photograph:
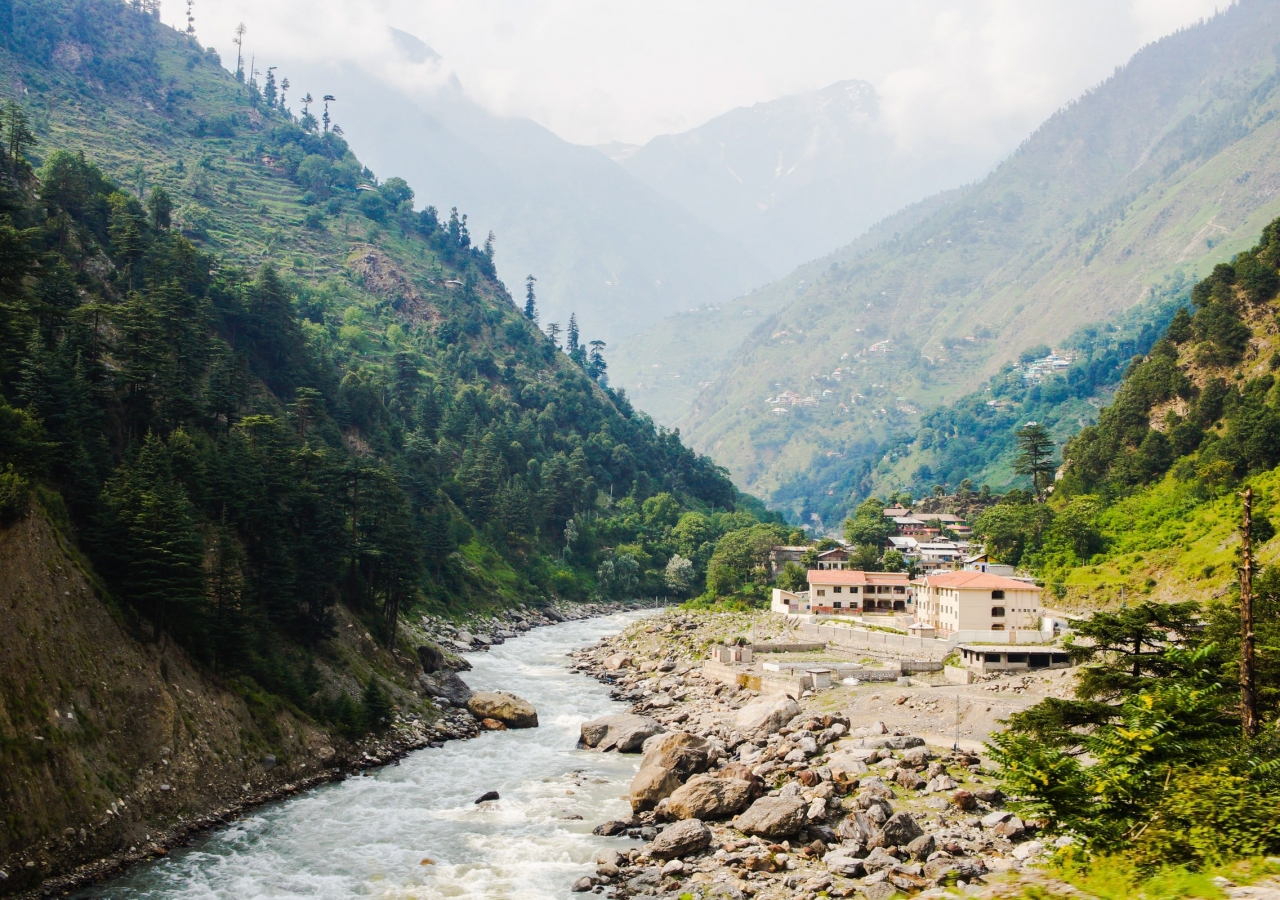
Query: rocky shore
[
  {"x": 742, "y": 795},
  {"x": 441, "y": 643}
]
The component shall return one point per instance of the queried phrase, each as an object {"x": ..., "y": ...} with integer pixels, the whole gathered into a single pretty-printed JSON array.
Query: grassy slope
[{"x": 1169, "y": 167}]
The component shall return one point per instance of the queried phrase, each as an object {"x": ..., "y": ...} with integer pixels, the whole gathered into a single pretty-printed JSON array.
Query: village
[{"x": 954, "y": 612}]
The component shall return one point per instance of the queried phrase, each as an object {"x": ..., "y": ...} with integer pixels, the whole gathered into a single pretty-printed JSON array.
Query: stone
[
  {"x": 942, "y": 782},
  {"x": 740, "y": 772},
  {"x": 582, "y": 885},
  {"x": 907, "y": 778},
  {"x": 839, "y": 863},
  {"x": 708, "y": 797},
  {"x": 916, "y": 758},
  {"x": 608, "y": 858},
  {"x": 901, "y": 829},
  {"x": 921, "y": 848},
  {"x": 682, "y": 753},
  {"x": 1010, "y": 828},
  {"x": 773, "y": 817},
  {"x": 611, "y": 828},
  {"x": 618, "y": 661},
  {"x": 1027, "y": 850},
  {"x": 625, "y": 733},
  {"x": 817, "y": 810},
  {"x": 895, "y": 742},
  {"x": 879, "y": 860},
  {"x": 767, "y": 714},
  {"x": 680, "y": 839},
  {"x": 431, "y": 657},
  {"x": 673, "y": 867},
  {"x": 846, "y": 766},
  {"x": 964, "y": 800},
  {"x": 992, "y": 796},
  {"x": 508, "y": 709},
  {"x": 991, "y": 820},
  {"x": 651, "y": 784},
  {"x": 446, "y": 685},
  {"x": 881, "y": 891},
  {"x": 492, "y": 725},
  {"x": 487, "y": 796}
]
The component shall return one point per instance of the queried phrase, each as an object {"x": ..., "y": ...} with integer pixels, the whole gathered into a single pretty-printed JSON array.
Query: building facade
[
  {"x": 976, "y": 601},
  {"x": 854, "y": 592}
]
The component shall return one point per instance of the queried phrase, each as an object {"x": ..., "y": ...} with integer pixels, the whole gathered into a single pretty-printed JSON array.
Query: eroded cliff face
[{"x": 107, "y": 739}]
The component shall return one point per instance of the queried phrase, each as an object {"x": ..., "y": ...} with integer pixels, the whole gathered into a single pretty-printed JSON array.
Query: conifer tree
[{"x": 530, "y": 304}]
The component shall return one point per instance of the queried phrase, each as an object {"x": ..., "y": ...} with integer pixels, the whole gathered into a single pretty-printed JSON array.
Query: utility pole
[
  {"x": 1248, "y": 700},
  {"x": 956, "y": 746}
]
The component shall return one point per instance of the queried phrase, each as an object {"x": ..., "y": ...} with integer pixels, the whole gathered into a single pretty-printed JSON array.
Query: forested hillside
[
  {"x": 255, "y": 395},
  {"x": 1144, "y": 183},
  {"x": 1148, "y": 501}
]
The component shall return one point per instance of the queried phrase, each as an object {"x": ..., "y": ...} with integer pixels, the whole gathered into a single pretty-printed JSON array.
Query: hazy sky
[{"x": 977, "y": 72}]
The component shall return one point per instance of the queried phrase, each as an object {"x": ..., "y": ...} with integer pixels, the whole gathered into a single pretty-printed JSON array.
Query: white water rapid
[{"x": 367, "y": 837}]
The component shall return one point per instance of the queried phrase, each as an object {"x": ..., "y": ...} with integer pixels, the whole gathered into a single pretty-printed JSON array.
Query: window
[
  {"x": 821, "y": 592},
  {"x": 997, "y": 612},
  {"x": 838, "y": 589},
  {"x": 899, "y": 590},
  {"x": 837, "y": 604},
  {"x": 998, "y": 627},
  {"x": 997, "y": 595}
]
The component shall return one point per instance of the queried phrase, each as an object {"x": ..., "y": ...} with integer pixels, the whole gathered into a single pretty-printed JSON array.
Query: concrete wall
[{"x": 906, "y": 645}]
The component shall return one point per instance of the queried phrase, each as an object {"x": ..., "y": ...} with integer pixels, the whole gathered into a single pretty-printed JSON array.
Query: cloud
[{"x": 977, "y": 74}]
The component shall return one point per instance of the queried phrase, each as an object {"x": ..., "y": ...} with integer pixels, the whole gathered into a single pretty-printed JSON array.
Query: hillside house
[
  {"x": 976, "y": 601},
  {"x": 780, "y": 556},
  {"x": 835, "y": 558},
  {"x": 853, "y": 592}
]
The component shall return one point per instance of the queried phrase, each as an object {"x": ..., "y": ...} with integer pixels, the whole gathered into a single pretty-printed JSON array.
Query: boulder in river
[
  {"x": 707, "y": 797},
  {"x": 487, "y": 796},
  {"x": 446, "y": 685},
  {"x": 773, "y": 817},
  {"x": 651, "y": 784},
  {"x": 625, "y": 733},
  {"x": 680, "y": 839},
  {"x": 431, "y": 657},
  {"x": 681, "y": 752},
  {"x": 508, "y": 709},
  {"x": 767, "y": 713}
]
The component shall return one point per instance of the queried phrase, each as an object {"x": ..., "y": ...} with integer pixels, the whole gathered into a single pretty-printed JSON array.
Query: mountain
[
  {"x": 792, "y": 178},
  {"x": 259, "y": 418},
  {"x": 600, "y": 242},
  {"x": 1147, "y": 181}
]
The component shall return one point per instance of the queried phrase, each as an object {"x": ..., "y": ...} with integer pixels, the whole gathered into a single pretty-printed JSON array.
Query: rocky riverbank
[
  {"x": 440, "y": 644},
  {"x": 741, "y": 795}
]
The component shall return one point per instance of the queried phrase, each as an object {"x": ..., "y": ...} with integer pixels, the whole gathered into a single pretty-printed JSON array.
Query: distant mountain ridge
[
  {"x": 793, "y": 177},
  {"x": 1166, "y": 169}
]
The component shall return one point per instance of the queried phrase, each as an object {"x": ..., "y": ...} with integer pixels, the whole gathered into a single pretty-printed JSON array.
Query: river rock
[
  {"x": 582, "y": 885},
  {"x": 900, "y": 830},
  {"x": 431, "y": 657},
  {"x": 740, "y": 772},
  {"x": 767, "y": 713},
  {"x": 446, "y": 685},
  {"x": 508, "y": 709},
  {"x": 895, "y": 742},
  {"x": 625, "y": 733},
  {"x": 618, "y": 661},
  {"x": 487, "y": 796},
  {"x": 773, "y": 817},
  {"x": 839, "y": 862},
  {"x": 845, "y": 767},
  {"x": 680, "y": 839},
  {"x": 682, "y": 753},
  {"x": 652, "y": 784},
  {"x": 964, "y": 800},
  {"x": 922, "y": 847},
  {"x": 708, "y": 797}
]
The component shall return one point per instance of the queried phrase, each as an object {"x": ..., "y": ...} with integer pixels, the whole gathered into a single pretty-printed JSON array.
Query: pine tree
[
  {"x": 1035, "y": 456},
  {"x": 530, "y": 301},
  {"x": 269, "y": 92}
]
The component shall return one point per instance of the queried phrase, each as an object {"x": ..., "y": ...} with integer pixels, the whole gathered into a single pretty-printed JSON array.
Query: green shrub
[{"x": 15, "y": 497}]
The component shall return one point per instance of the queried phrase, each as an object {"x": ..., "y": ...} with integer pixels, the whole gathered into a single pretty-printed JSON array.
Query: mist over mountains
[{"x": 628, "y": 236}]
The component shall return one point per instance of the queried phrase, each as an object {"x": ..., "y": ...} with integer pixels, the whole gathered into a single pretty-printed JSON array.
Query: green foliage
[
  {"x": 741, "y": 558},
  {"x": 15, "y": 497},
  {"x": 375, "y": 706},
  {"x": 794, "y": 578},
  {"x": 868, "y": 526}
]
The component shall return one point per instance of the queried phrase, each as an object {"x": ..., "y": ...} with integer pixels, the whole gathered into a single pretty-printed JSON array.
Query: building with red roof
[{"x": 976, "y": 601}]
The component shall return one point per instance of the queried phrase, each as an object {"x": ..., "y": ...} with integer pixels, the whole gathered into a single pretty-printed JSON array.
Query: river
[{"x": 413, "y": 830}]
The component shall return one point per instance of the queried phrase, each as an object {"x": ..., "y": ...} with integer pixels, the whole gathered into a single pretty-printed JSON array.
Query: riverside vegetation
[{"x": 258, "y": 416}]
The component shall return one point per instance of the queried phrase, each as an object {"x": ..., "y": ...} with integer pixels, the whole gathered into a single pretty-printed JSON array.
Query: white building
[{"x": 976, "y": 601}]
